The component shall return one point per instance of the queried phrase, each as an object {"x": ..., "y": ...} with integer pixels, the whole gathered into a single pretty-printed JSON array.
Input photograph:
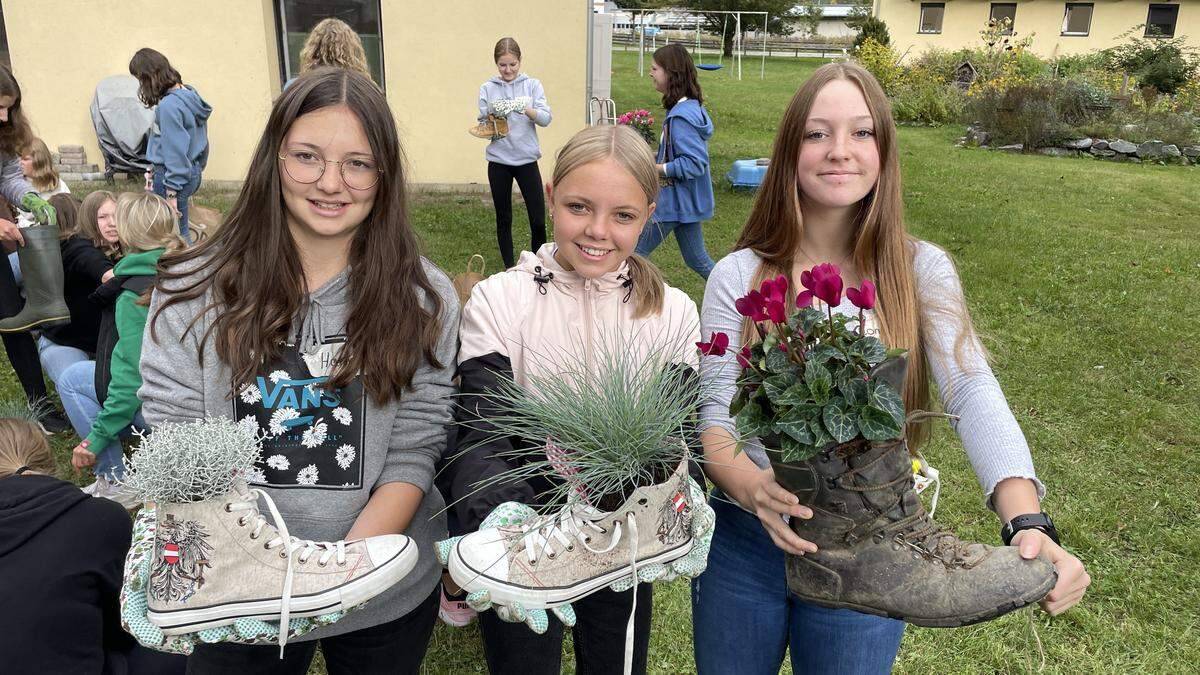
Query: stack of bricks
[{"x": 71, "y": 162}]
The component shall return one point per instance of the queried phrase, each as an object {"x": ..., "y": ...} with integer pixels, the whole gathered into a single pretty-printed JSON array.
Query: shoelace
[
  {"x": 307, "y": 548},
  {"x": 569, "y": 525}
]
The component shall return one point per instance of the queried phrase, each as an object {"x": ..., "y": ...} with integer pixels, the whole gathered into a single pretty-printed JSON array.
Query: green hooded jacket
[{"x": 122, "y": 402}]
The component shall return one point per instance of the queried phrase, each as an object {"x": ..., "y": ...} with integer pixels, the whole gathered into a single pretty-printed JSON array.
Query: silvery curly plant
[{"x": 181, "y": 462}]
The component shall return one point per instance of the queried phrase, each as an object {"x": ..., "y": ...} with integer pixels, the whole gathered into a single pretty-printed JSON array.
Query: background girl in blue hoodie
[
  {"x": 686, "y": 196},
  {"x": 178, "y": 146},
  {"x": 521, "y": 100}
]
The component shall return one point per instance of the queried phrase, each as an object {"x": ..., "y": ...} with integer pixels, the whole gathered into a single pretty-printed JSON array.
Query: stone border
[{"x": 1116, "y": 150}]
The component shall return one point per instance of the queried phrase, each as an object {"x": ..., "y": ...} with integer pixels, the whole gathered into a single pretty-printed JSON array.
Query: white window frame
[
  {"x": 1067, "y": 17},
  {"x": 1174, "y": 27},
  {"x": 921, "y": 19}
]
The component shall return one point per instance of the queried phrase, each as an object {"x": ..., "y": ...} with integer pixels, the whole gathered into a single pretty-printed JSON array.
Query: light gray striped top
[{"x": 989, "y": 432}]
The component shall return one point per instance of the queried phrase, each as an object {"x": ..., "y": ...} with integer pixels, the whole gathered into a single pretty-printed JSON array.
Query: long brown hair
[
  {"x": 883, "y": 249},
  {"x": 506, "y": 45},
  {"x": 23, "y": 444},
  {"x": 624, "y": 145},
  {"x": 44, "y": 178},
  {"x": 333, "y": 42},
  {"x": 154, "y": 74},
  {"x": 253, "y": 268},
  {"x": 66, "y": 212},
  {"x": 15, "y": 133},
  {"x": 681, "y": 74}
]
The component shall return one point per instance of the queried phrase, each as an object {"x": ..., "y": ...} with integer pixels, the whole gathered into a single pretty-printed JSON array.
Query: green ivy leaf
[
  {"x": 751, "y": 420},
  {"x": 887, "y": 399},
  {"x": 797, "y": 394},
  {"x": 776, "y": 385},
  {"x": 840, "y": 420},
  {"x": 792, "y": 450},
  {"x": 821, "y": 438},
  {"x": 845, "y": 375},
  {"x": 856, "y": 391},
  {"x": 793, "y": 423},
  {"x": 810, "y": 317},
  {"x": 823, "y": 353},
  {"x": 870, "y": 349},
  {"x": 777, "y": 361},
  {"x": 819, "y": 381},
  {"x": 877, "y": 424}
]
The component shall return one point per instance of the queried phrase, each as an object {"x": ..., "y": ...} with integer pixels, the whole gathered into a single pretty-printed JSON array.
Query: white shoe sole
[
  {"x": 503, "y": 593},
  {"x": 344, "y": 597}
]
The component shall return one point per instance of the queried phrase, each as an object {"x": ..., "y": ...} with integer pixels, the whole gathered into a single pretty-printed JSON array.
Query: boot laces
[
  {"x": 574, "y": 522},
  {"x": 290, "y": 544}
]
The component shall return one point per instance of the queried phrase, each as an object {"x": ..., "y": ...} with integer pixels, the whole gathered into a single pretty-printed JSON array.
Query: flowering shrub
[
  {"x": 641, "y": 121},
  {"x": 807, "y": 382},
  {"x": 881, "y": 61}
]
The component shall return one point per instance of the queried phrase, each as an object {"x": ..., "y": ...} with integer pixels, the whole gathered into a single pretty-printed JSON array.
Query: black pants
[
  {"x": 529, "y": 179},
  {"x": 20, "y": 347},
  {"x": 599, "y": 637},
  {"x": 394, "y": 647}
]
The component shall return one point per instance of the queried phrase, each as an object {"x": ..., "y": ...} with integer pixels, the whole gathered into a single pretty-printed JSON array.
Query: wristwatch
[{"x": 1029, "y": 521}]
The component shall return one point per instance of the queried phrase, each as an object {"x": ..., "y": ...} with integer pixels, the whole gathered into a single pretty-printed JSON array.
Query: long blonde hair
[
  {"x": 44, "y": 178},
  {"x": 333, "y": 42},
  {"x": 883, "y": 249},
  {"x": 23, "y": 444},
  {"x": 145, "y": 222},
  {"x": 624, "y": 145}
]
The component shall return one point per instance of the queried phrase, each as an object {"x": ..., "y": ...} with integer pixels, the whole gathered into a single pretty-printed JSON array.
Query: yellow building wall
[
  {"x": 437, "y": 54},
  {"x": 226, "y": 49},
  {"x": 435, "y": 57},
  {"x": 1043, "y": 18}
]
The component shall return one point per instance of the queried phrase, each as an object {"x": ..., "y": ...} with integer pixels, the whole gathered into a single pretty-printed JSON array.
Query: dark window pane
[
  {"x": 1160, "y": 21},
  {"x": 298, "y": 17},
  {"x": 1078, "y": 19},
  {"x": 1005, "y": 10},
  {"x": 931, "y": 17},
  {"x": 4, "y": 42}
]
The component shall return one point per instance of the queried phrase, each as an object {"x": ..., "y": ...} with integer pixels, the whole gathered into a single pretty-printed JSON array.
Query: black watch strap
[{"x": 1029, "y": 521}]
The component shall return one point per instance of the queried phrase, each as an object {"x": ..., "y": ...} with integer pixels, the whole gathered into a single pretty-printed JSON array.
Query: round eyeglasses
[{"x": 307, "y": 167}]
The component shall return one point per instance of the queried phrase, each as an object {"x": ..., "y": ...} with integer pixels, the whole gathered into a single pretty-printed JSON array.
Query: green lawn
[{"x": 1080, "y": 274}]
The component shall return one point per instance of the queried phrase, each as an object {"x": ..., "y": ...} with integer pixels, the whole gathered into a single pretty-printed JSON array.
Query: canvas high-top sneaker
[
  {"x": 219, "y": 560},
  {"x": 557, "y": 559}
]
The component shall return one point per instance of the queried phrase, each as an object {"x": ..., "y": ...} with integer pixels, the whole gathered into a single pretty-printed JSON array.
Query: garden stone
[
  {"x": 1056, "y": 152},
  {"x": 1079, "y": 144},
  {"x": 1171, "y": 151},
  {"x": 1015, "y": 147},
  {"x": 1193, "y": 151},
  {"x": 1100, "y": 145},
  {"x": 1123, "y": 147},
  {"x": 1150, "y": 150},
  {"x": 1101, "y": 152}
]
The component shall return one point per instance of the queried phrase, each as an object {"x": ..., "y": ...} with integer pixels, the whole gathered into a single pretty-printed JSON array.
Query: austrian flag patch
[
  {"x": 678, "y": 502},
  {"x": 170, "y": 553}
]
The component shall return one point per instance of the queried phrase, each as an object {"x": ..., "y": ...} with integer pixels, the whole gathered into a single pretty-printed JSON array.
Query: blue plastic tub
[{"x": 747, "y": 173}]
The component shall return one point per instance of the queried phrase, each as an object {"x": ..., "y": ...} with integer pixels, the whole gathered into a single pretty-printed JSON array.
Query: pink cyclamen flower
[
  {"x": 804, "y": 299},
  {"x": 743, "y": 357},
  {"x": 829, "y": 289},
  {"x": 775, "y": 289},
  {"x": 863, "y": 298},
  {"x": 753, "y": 305},
  {"x": 715, "y": 346},
  {"x": 776, "y": 311}
]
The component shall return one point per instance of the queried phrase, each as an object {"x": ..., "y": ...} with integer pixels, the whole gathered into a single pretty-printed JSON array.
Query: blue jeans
[
  {"x": 691, "y": 243},
  {"x": 743, "y": 617},
  {"x": 77, "y": 389},
  {"x": 57, "y": 358},
  {"x": 181, "y": 197}
]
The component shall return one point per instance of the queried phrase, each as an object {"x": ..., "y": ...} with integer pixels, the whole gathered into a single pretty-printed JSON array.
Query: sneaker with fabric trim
[
  {"x": 558, "y": 559},
  {"x": 108, "y": 488},
  {"x": 220, "y": 560}
]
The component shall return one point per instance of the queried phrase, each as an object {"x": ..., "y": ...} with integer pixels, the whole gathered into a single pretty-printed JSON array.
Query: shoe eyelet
[
  {"x": 227, "y": 509},
  {"x": 283, "y": 555},
  {"x": 322, "y": 564},
  {"x": 253, "y": 536},
  {"x": 571, "y": 548},
  {"x": 587, "y": 540},
  {"x": 603, "y": 531},
  {"x": 267, "y": 546},
  {"x": 643, "y": 501},
  {"x": 341, "y": 564},
  {"x": 550, "y": 556},
  {"x": 241, "y": 521}
]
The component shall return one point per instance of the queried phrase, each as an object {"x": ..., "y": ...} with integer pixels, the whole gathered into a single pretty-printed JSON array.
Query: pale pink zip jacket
[{"x": 520, "y": 322}]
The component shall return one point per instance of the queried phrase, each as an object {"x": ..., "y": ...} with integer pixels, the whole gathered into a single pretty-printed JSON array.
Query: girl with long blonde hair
[{"x": 832, "y": 195}]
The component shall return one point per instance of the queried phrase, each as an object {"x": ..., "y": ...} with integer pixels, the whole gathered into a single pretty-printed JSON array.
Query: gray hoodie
[
  {"x": 498, "y": 97},
  {"x": 326, "y": 450}
]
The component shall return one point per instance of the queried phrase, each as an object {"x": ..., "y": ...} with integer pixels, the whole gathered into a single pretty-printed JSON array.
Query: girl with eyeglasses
[{"x": 312, "y": 319}]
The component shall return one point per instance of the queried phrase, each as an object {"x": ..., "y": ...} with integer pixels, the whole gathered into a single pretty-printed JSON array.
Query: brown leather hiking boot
[{"x": 881, "y": 553}]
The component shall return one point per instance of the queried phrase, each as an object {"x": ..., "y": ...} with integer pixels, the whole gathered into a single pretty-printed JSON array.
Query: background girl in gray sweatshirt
[{"x": 521, "y": 100}]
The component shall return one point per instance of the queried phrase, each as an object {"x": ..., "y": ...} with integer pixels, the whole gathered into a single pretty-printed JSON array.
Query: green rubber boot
[{"x": 42, "y": 270}]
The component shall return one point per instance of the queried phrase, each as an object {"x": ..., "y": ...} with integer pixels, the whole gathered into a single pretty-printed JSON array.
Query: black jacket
[
  {"x": 61, "y": 557},
  {"x": 83, "y": 266}
]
